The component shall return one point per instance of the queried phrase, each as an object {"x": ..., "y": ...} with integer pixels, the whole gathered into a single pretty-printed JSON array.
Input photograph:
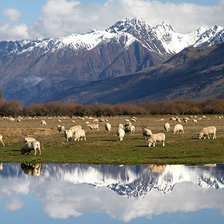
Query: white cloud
[
  {"x": 14, "y": 204},
  {"x": 12, "y": 14},
  {"x": 13, "y": 32},
  {"x": 62, "y": 17}
]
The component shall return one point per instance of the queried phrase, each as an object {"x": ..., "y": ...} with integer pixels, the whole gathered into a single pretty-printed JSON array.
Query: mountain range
[
  {"x": 128, "y": 181},
  {"x": 130, "y": 59}
]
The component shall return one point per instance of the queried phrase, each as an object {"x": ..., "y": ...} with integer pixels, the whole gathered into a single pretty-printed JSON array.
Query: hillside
[{"x": 194, "y": 73}]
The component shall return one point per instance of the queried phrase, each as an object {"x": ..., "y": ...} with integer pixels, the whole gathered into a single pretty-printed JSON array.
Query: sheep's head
[{"x": 200, "y": 135}]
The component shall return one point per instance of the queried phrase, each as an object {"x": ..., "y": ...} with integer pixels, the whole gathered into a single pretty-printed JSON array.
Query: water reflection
[{"x": 123, "y": 193}]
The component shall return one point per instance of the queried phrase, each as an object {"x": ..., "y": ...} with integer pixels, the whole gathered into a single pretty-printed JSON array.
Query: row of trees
[{"x": 15, "y": 108}]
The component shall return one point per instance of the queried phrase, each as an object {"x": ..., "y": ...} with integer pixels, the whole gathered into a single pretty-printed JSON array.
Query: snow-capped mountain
[
  {"x": 55, "y": 65},
  {"x": 127, "y": 181}
]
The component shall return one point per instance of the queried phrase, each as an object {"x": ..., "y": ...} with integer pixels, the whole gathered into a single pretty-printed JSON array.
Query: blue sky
[{"x": 25, "y": 19}]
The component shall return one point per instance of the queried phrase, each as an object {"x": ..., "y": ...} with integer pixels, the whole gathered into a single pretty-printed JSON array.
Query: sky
[{"x": 26, "y": 19}]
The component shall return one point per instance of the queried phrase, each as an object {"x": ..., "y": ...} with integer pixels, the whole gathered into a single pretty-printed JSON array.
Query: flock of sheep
[{"x": 77, "y": 133}]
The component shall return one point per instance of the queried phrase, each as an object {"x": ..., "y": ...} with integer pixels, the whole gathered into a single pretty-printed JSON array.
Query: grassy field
[{"x": 104, "y": 148}]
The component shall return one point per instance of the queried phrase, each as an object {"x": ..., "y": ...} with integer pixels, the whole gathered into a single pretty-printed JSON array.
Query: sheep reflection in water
[{"x": 32, "y": 169}]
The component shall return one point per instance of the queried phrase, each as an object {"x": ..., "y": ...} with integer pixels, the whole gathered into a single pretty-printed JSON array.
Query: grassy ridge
[{"x": 104, "y": 148}]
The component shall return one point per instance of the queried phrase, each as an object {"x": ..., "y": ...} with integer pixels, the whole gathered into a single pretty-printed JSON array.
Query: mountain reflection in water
[{"x": 122, "y": 192}]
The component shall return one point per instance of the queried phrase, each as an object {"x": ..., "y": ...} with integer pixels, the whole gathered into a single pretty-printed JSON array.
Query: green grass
[
  {"x": 133, "y": 150},
  {"x": 104, "y": 148}
]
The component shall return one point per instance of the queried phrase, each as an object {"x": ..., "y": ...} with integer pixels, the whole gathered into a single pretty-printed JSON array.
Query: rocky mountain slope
[
  {"x": 194, "y": 73},
  {"x": 53, "y": 66}
]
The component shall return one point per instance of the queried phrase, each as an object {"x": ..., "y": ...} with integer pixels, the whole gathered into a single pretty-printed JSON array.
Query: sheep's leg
[
  {"x": 208, "y": 136},
  {"x": 35, "y": 151},
  {"x": 154, "y": 144},
  {"x": 163, "y": 143},
  {"x": 2, "y": 143}
]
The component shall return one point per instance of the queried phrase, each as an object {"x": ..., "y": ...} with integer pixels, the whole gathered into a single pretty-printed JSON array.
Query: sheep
[
  {"x": 93, "y": 126},
  {"x": 159, "y": 137},
  {"x": 121, "y": 126},
  {"x": 167, "y": 127},
  {"x": 33, "y": 145},
  {"x": 172, "y": 119},
  {"x": 79, "y": 135},
  {"x": 75, "y": 128},
  {"x": 185, "y": 120},
  {"x": 61, "y": 128},
  {"x": 1, "y": 137},
  {"x": 129, "y": 128},
  {"x": 11, "y": 119},
  {"x": 146, "y": 133},
  {"x": 208, "y": 131},
  {"x": 43, "y": 122},
  {"x": 133, "y": 120},
  {"x": 29, "y": 139},
  {"x": 178, "y": 128},
  {"x": 95, "y": 120},
  {"x": 108, "y": 127},
  {"x": 195, "y": 121},
  {"x": 120, "y": 134},
  {"x": 68, "y": 135}
]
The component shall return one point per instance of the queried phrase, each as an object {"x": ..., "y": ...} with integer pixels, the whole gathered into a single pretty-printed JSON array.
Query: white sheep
[
  {"x": 172, "y": 119},
  {"x": 120, "y": 134},
  {"x": 79, "y": 135},
  {"x": 43, "y": 122},
  {"x": 208, "y": 131},
  {"x": 75, "y": 128},
  {"x": 129, "y": 128},
  {"x": 29, "y": 139},
  {"x": 1, "y": 140},
  {"x": 195, "y": 121},
  {"x": 68, "y": 135},
  {"x": 178, "y": 128},
  {"x": 167, "y": 127},
  {"x": 108, "y": 127},
  {"x": 146, "y": 132},
  {"x": 121, "y": 126},
  {"x": 61, "y": 128},
  {"x": 158, "y": 137},
  {"x": 28, "y": 146},
  {"x": 93, "y": 126}
]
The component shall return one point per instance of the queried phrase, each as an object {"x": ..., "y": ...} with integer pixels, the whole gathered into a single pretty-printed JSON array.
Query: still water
[{"x": 111, "y": 194}]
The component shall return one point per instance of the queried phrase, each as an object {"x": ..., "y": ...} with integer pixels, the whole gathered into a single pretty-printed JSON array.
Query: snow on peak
[{"x": 128, "y": 25}]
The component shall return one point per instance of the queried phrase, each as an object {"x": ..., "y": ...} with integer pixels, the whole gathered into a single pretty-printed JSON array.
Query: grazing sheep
[
  {"x": 172, "y": 119},
  {"x": 129, "y": 128},
  {"x": 185, "y": 120},
  {"x": 29, "y": 139},
  {"x": 95, "y": 120},
  {"x": 75, "y": 128},
  {"x": 61, "y": 128},
  {"x": 68, "y": 135},
  {"x": 133, "y": 120},
  {"x": 178, "y": 128},
  {"x": 28, "y": 146},
  {"x": 79, "y": 135},
  {"x": 167, "y": 127},
  {"x": 1, "y": 137},
  {"x": 121, "y": 126},
  {"x": 18, "y": 120},
  {"x": 208, "y": 131},
  {"x": 146, "y": 133},
  {"x": 93, "y": 126},
  {"x": 195, "y": 121},
  {"x": 11, "y": 119},
  {"x": 43, "y": 122},
  {"x": 120, "y": 134},
  {"x": 159, "y": 137},
  {"x": 108, "y": 127}
]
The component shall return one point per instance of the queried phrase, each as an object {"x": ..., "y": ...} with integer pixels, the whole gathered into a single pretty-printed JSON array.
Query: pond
[{"x": 75, "y": 193}]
